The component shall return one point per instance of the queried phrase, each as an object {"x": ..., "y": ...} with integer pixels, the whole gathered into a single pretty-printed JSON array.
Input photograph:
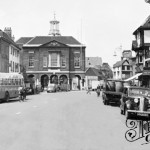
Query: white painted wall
[
  {"x": 14, "y": 57},
  {"x": 118, "y": 73}
]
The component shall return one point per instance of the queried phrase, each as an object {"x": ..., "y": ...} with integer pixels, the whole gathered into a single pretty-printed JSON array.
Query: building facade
[
  {"x": 54, "y": 58},
  {"x": 122, "y": 70},
  {"x": 141, "y": 46},
  {"x": 125, "y": 68},
  {"x": 9, "y": 52},
  {"x": 93, "y": 62}
]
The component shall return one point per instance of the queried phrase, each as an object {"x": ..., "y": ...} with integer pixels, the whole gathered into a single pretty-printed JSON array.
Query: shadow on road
[
  {"x": 15, "y": 100},
  {"x": 114, "y": 105}
]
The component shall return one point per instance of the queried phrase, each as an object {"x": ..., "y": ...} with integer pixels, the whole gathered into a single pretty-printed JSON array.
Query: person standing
[
  {"x": 22, "y": 94},
  {"x": 98, "y": 90}
]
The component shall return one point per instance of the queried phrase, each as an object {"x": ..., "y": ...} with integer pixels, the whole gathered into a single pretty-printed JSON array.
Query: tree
[{"x": 106, "y": 71}]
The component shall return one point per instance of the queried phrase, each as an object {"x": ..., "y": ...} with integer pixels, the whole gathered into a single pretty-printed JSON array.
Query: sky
[{"x": 103, "y": 26}]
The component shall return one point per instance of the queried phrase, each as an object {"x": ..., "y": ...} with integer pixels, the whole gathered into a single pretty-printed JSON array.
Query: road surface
[{"x": 63, "y": 121}]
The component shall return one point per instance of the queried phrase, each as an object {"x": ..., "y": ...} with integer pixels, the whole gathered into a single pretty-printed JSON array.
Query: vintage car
[
  {"x": 135, "y": 103},
  {"x": 53, "y": 88},
  {"x": 112, "y": 91}
]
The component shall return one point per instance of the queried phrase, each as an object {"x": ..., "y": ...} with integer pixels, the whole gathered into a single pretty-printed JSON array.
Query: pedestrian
[
  {"x": 22, "y": 94},
  {"x": 89, "y": 90},
  {"x": 98, "y": 90}
]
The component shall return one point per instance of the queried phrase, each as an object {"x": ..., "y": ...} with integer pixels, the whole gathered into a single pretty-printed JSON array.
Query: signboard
[{"x": 146, "y": 72}]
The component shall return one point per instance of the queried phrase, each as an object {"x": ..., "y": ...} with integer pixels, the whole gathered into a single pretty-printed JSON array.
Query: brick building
[
  {"x": 54, "y": 58},
  {"x": 9, "y": 52}
]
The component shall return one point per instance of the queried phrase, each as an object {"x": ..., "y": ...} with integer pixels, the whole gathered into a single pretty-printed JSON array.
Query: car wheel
[{"x": 106, "y": 103}]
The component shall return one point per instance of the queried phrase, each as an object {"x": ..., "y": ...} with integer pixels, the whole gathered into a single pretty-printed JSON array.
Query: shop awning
[{"x": 133, "y": 77}]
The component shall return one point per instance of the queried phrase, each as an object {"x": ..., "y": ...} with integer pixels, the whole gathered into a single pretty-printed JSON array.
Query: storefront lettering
[{"x": 138, "y": 129}]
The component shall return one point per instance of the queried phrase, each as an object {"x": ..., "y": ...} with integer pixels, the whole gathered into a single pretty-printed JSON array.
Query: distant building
[
  {"x": 122, "y": 69},
  {"x": 54, "y": 58},
  {"x": 125, "y": 68},
  {"x": 93, "y": 62},
  {"x": 9, "y": 52},
  {"x": 92, "y": 74}
]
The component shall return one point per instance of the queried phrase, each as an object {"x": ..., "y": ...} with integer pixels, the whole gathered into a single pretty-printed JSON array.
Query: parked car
[
  {"x": 112, "y": 91},
  {"x": 135, "y": 103},
  {"x": 53, "y": 88}
]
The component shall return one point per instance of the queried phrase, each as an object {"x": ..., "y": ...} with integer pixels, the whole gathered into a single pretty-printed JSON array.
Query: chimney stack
[{"x": 8, "y": 31}]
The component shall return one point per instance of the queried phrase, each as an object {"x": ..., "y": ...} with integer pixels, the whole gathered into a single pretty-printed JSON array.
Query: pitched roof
[
  {"x": 8, "y": 39},
  {"x": 40, "y": 40},
  {"x": 146, "y": 24},
  {"x": 93, "y": 61},
  {"x": 92, "y": 72},
  {"x": 118, "y": 63},
  {"x": 23, "y": 40}
]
